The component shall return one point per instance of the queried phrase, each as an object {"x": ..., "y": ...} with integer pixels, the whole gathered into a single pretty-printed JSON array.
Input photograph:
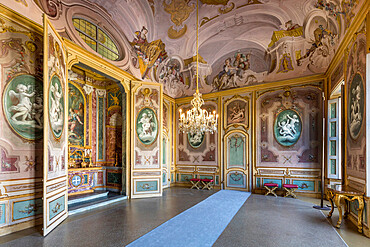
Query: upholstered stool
[
  {"x": 195, "y": 183},
  {"x": 290, "y": 188},
  {"x": 270, "y": 187},
  {"x": 207, "y": 183}
]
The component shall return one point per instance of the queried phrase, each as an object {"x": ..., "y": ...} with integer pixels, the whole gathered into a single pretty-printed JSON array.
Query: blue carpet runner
[{"x": 200, "y": 225}]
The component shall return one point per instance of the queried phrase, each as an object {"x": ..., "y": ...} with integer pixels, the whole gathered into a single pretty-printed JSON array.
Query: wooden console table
[{"x": 336, "y": 193}]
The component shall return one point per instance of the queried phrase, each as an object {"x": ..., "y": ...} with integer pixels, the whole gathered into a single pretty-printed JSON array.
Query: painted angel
[{"x": 22, "y": 105}]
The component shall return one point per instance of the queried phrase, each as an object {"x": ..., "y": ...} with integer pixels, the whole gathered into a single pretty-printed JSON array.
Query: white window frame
[{"x": 337, "y": 138}]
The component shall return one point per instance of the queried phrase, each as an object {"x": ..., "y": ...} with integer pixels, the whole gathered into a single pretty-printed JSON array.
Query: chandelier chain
[{"x": 197, "y": 120}]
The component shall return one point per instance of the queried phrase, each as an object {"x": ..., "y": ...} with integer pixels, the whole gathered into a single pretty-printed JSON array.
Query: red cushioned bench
[
  {"x": 270, "y": 187},
  {"x": 290, "y": 188}
]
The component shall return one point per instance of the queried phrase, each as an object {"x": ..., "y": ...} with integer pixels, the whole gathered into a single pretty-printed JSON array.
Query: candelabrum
[{"x": 197, "y": 120}]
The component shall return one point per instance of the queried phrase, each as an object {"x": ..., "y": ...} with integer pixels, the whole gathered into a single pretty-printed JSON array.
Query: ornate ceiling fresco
[{"x": 241, "y": 42}]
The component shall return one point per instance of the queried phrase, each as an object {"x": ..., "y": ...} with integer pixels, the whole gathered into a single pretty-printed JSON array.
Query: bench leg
[
  {"x": 270, "y": 190},
  {"x": 195, "y": 185},
  {"x": 290, "y": 192},
  {"x": 207, "y": 185}
]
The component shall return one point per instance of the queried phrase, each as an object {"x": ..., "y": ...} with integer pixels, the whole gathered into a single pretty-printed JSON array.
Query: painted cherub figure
[
  {"x": 56, "y": 107},
  {"x": 146, "y": 122},
  {"x": 38, "y": 111},
  {"x": 23, "y": 103}
]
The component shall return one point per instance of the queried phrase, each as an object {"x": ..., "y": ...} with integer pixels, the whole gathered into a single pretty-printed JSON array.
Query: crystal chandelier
[{"x": 197, "y": 120}]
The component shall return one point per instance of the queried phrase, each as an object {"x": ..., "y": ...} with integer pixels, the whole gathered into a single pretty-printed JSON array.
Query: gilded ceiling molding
[
  {"x": 180, "y": 11},
  {"x": 22, "y": 2},
  {"x": 4, "y": 28}
]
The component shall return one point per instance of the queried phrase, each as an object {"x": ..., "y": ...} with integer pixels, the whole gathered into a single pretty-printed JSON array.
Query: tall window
[{"x": 96, "y": 38}]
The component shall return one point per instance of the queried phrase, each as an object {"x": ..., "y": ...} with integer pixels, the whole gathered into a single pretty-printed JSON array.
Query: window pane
[
  {"x": 107, "y": 53},
  {"x": 85, "y": 26},
  {"x": 88, "y": 41},
  {"x": 333, "y": 110},
  {"x": 96, "y": 38},
  {"x": 333, "y": 166},
  {"x": 333, "y": 129},
  {"x": 333, "y": 148},
  {"x": 107, "y": 42}
]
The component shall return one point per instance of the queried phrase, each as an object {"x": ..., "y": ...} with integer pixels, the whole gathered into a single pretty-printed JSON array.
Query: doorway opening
[{"x": 96, "y": 139}]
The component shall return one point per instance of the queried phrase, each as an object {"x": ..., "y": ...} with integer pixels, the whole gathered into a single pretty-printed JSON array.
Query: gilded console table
[{"x": 336, "y": 193}]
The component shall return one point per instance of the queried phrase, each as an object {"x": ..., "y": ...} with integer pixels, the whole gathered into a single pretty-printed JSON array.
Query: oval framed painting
[
  {"x": 23, "y": 106},
  {"x": 195, "y": 140},
  {"x": 56, "y": 107},
  {"x": 356, "y": 104},
  {"x": 147, "y": 126},
  {"x": 287, "y": 127}
]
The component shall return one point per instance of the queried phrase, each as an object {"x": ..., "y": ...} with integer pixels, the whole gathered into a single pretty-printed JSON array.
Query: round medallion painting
[
  {"x": 195, "y": 140},
  {"x": 147, "y": 126},
  {"x": 23, "y": 106},
  {"x": 56, "y": 107},
  {"x": 356, "y": 101},
  {"x": 287, "y": 127}
]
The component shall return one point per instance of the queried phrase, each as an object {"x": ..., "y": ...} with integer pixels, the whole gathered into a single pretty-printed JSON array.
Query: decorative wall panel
[
  {"x": 300, "y": 127},
  {"x": 355, "y": 91},
  {"x": 21, "y": 122},
  {"x": 147, "y": 140},
  {"x": 197, "y": 150},
  {"x": 27, "y": 208},
  {"x": 55, "y": 126},
  {"x": 289, "y": 137}
]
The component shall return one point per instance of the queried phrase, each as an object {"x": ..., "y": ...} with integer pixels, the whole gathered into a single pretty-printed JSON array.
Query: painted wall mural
[
  {"x": 23, "y": 106},
  {"x": 236, "y": 112},
  {"x": 355, "y": 91},
  {"x": 56, "y": 106},
  {"x": 147, "y": 141},
  {"x": 21, "y": 122},
  {"x": 147, "y": 126},
  {"x": 287, "y": 127},
  {"x": 150, "y": 54},
  {"x": 197, "y": 149},
  {"x": 356, "y": 105},
  {"x": 195, "y": 140},
  {"x": 76, "y": 116}
]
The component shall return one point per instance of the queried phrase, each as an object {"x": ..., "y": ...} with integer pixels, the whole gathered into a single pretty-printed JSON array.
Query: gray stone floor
[
  {"x": 262, "y": 221},
  {"x": 269, "y": 221}
]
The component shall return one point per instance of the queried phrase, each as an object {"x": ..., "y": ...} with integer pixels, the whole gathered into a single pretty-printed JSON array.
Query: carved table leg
[
  {"x": 360, "y": 200},
  {"x": 330, "y": 198},
  {"x": 346, "y": 208},
  {"x": 337, "y": 203}
]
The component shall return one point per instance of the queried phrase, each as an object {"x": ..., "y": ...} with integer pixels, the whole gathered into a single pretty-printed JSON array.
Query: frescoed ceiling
[{"x": 241, "y": 42}]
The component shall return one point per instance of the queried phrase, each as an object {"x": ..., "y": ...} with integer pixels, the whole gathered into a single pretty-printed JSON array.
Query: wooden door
[
  {"x": 236, "y": 160},
  {"x": 55, "y": 190}
]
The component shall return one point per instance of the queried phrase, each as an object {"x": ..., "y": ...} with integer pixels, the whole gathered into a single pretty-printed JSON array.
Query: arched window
[{"x": 96, "y": 38}]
